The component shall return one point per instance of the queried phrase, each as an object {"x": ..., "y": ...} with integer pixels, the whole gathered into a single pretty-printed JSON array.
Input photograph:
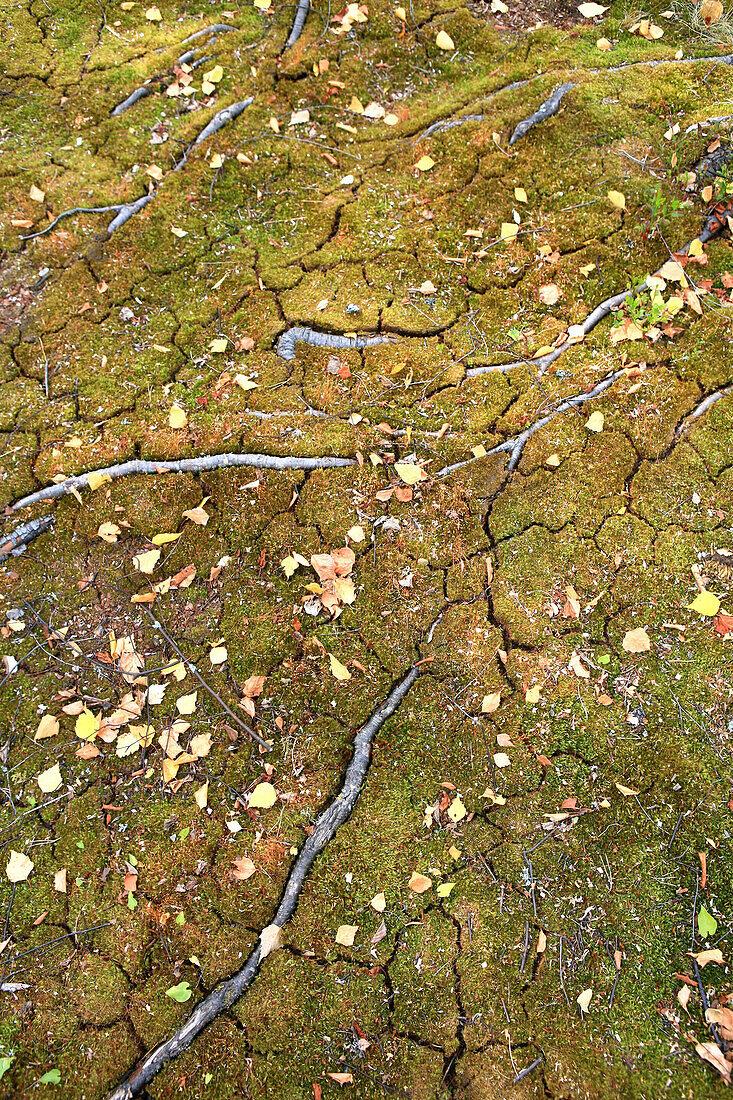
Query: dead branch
[{"x": 326, "y": 826}]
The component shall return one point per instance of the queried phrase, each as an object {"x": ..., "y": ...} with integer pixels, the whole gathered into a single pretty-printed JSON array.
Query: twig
[{"x": 157, "y": 625}]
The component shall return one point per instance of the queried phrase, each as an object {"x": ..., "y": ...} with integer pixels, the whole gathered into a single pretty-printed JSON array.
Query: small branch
[
  {"x": 68, "y": 214},
  {"x": 326, "y": 826},
  {"x": 298, "y": 23},
  {"x": 181, "y": 465},
  {"x": 546, "y": 110},
  {"x": 157, "y": 625}
]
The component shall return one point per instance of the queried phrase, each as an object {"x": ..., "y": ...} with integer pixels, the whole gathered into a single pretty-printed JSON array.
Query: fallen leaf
[
  {"x": 444, "y": 41},
  {"x": 501, "y": 760},
  {"x": 186, "y": 704},
  {"x": 342, "y": 1078},
  {"x": 636, "y": 641},
  {"x": 589, "y": 11},
  {"x": 584, "y": 998},
  {"x": 197, "y": 515},
  {"x": 50, "y": 780},
  {"x": 339, "y": 670},
  {"x": 549, "y": 294},
  {"x": 346, "y": 934},
  {"x": 706, "y": 923},
  {"x": 181, "y": 992},
  {"x": 711, "y": 1053},
  {"x": 425, "y": 164},
  {"x": 419, "y": 883},
  {"x": 47, "y": 727},
  {"x": 491, "y": 702},
  {"x": 595, "y": 422},
  {"x": 19, "y": 866},
  {"x": 263, "y": 797},
  {"x": 145, "y": 562},
  {"x": 201, "y": 796},
  {"x": 456, "y": 810},
  {"x": 244, "y": 868},
  {"x": 409, "y": 472},
  {"x": 705, "y": 603},
  {"x": 269, "y": 940},
  {"x": 617, "y": 200},
  {"x": 177, "y": 417},
  {"x": 627, "y": 792},
  {"x": 378, "y": 903},
  {"x": 712, "y": 954},
  {"x": 218, "y": 655},
  {"x": 59, "y": 881}
]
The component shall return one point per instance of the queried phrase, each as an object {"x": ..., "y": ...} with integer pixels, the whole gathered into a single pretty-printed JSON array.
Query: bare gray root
[
  {"x": 16, "y": 542},
  {"x": 221, "y": 118},
  {"x": 516, "y": 445},
  {"x": 287, "y": 342},
  {"x": 714, "y": 226},
  {"x": 138, "y": 466},
  {"x": 298, "y": 23},
  {"x": 546, "y": 110},
  {"x": 327, "y": 824},
  {"x": 209, "y": 32}
]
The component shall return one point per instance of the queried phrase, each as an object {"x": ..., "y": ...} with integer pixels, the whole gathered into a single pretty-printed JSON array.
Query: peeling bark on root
[
  {"x": 327, "y": 824},
  {"x": 182, "y": 465},
  {"x": 298, "y": 335},
  {"x": 16, "y": 541},
  {"x": 546, "y": 110},
  {"x": 298, "y": 23}
]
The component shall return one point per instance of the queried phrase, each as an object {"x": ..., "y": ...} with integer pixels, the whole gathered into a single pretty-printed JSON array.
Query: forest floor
[{"x": 372, "y": 260}]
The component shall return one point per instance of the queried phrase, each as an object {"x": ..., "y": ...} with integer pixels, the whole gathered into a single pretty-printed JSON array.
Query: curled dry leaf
[
  {"x": 419, "y": 883},
  {"x": 244, "y": 868},
  {"x": 269, "y": 940}
]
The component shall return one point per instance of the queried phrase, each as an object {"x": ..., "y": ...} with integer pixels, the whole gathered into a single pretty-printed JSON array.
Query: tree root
[
  {"x": 546, "y": 110},
  {"x": 714, "y": 226},
  {"x": 68, "y": 214},
  {"x": 516, "y": 445},
  {"x": 212, "y": 31},
  {"x": 221, "y": 118},
  {"x": 298, "y": 23},
  {"x": 147, "y": 89},
  {"x": 288, "y": 340},
  {"x": 16, "y": 542},
  {"x": 181, "y": 465},
  {"x": 326, "y": 826}
]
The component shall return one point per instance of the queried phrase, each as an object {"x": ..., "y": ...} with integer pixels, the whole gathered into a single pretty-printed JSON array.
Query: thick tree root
[
  {"x": 327, "y": 824},
  {"x": 288, "y": 340},
  {"x": 148, "y": 89},
  {"x": 714, "y": 226},
  {"x": 549, "y": 108},
  {"x": 198, "y": 465},
  {"x": 221, "y": 118},
  {"x": 516, "y": 445},
  {"x": 16, "y": 542},
  {"x": 210, "y": 32},
  {"x": 128, "y": 211},
  {"x": 298, "y": 23}
]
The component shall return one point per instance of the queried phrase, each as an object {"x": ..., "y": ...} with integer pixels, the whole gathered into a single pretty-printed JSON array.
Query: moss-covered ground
[{"x": 570, "y": 800}]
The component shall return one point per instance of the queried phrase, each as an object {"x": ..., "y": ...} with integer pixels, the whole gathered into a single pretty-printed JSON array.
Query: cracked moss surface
[{"x": 449, "y": 993}]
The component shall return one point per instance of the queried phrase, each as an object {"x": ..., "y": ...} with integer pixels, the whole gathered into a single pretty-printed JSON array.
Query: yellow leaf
[
  {"x": 59, "y": 881},
  {"x": 219, "y": 344},
  {"x": 456, "y": 810},
  {"x": 214, "y": 75},
  {"x": 35, "y": 194},
  {"x": 153, "y": 15},
  {"x": 166, "y": 537},
  {"x": 245, "y": 383},
  {"x": 147, "y": 561},
  {"x": 508, "y": 231},
  {"x": 356, "y": 106},
  {"x": 356, "y": 533},
  {"x": 520, "y": 194},
  {"x": 50, "y": 780},
  {"x": 346, "y": 934},
  {"x": 94, "y": 480},
  {"x": 18, "y": 867},
  {"x": 603, "y": 44},
  {"x": 87, "y": 725},
  {"x": 443, "y": 891},
  {"x": 696, "y": 248},
  {"x": 588, "y": 11},
  {"x": 263, "y": 797},
  {"x": 409, "y": 472},
  {"x": 444, "y": 41},
  {"x": 636, "y": 641},
  {"x": 617, "y": 200},
  {"x": 218, "y": 655},
  {"x": 501, "y": 760},
  {"x": 187, "y": 703},
  {"x": 706, "y": 603},
  {"x": 595, "y": 422},
  {"x": 584, "y": 998},
  {"x": 425, "y": 164},
  {"x": 338, "y": 670},
  {"x": 532, "y": 694},
  {"x": 201, "y": 796},
  {"x": 378, "y": 903},
  {"x": 178, "y": 232},
  {"x": 177, "y": 417},
  {"x": 109, "y": 532},
  {"x": 216, "y": 161}
]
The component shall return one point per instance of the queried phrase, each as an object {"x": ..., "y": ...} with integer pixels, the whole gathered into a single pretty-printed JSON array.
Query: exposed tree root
[
  {"x": 180, "y": 466},
  {"x": 546, "y": 110},
  {"x": 17, "y": 540},
  {"x": 211, "y": 32},
  {"x": 288, "y": 340},
  {"x": 714, "y": 226},
  {"x": 68, "y": 214},
  {"x": 128, "y": 211},
  {"x": 326, "y": 826},
  {"x": 221, "y": 118},
  {"x": 516, "y": 445},
  {"x": 298, "y": 23},
  {"x": 147, "y": 89},
  {"x": 704, "y": 405}
]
